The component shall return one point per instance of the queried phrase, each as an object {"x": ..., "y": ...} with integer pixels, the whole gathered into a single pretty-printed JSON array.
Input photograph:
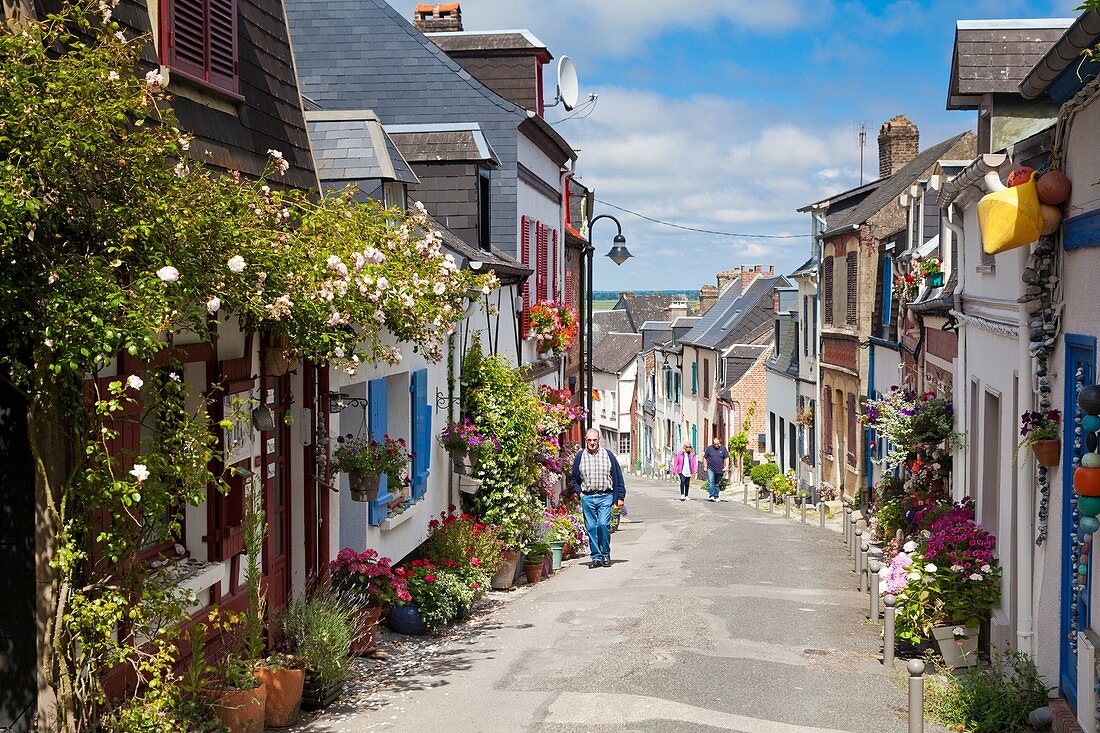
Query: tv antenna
[
  {"x": 862, "y": 144},
  {"x": 568, "y": 86}
]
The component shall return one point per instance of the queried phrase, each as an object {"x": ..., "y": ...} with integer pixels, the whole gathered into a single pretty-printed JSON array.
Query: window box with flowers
[
  {"x": 554, "y": 326},
  {"x": 365, "y": 459},
  {"x": 1039, "y": 433},
  {"x": 466, "y": 443},
  {"x": 929, "y": 270}
]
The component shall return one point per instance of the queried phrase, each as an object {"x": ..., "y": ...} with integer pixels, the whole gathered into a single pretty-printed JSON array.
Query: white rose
[
  {"x": 139, "y": 472},
  {"x": 134, "y": 382},
  {"x": 236, "y": 263},
  {"x": 168, "y": 274},
  {"x": 909, "y": 546},
  {"x": 213, "y": 305}
]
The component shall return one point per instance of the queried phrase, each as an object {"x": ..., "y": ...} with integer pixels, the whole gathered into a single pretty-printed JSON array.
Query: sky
[{"x": 729, "y": 115}]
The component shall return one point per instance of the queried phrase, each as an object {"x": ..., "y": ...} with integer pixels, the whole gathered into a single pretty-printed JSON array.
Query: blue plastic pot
[{"x": 405, "y": 619}]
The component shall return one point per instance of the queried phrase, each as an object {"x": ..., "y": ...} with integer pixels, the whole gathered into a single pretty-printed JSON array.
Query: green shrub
[
  {"x": 761, "y": 475},
  {"x": 781, "y": 484},
  {"x": 988, "y": 698},
  {"x": 319, "y": 628}
]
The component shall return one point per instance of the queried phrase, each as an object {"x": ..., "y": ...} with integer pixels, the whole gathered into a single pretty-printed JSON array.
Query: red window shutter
[
  {"x": 541, "y": 244},
  {"x": 201, "y": 40},
  {"x": 525, "y": 258},
  {"x": 554, "y": 287},
  {"x": 828, "y": 288},
  {"x": 853, "y": 264},
  {"x": 570, "y": 277}
]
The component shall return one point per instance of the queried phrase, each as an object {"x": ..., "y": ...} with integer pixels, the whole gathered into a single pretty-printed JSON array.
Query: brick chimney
[
  {"x": 438, "y": 18},
  {"x": 898, "y": 143},
  {"x": 708, "y": 296}
]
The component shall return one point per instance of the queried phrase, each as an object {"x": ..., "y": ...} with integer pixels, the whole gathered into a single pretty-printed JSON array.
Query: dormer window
[{"x": 199, "y": 41}]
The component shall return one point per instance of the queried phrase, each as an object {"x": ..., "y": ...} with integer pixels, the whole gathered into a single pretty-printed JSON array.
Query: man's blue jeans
[
  {"x": 712, "y": 483},
  {"x": 597, "y": 520}
]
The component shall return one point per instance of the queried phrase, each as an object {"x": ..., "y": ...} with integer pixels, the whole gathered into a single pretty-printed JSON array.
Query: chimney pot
[{"x": 438, "y": 17}]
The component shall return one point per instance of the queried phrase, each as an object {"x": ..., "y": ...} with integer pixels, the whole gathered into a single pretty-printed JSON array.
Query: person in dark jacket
[{"x": 598, "y": 478}]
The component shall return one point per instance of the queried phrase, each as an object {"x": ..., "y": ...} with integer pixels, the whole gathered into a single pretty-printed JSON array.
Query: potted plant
[
  {"x": 946, "y": 583},
  {"x": 283, "y": 679},
  {"x": 554, "y": 326},
  {"x": 365, "y": 459},
  {"x": 617, "y": 513},
  {"x": 532, "y": 564},
  {"x": 228, "y": 682},
  {"x": 465, "y": 443},
  {"x": 929, "y": 269},
  {"x": 371, "y": 585},
  {"x": 438, "y": 593},
  {"x": 804, "y": 417},
  {"x": 319, "y": 628},
  {"x": 1039, "y": 432}
]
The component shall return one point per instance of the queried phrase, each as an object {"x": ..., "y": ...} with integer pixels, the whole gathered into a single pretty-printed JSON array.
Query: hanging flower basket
[
  {"x": 462, "y": 462},
  {"x": 1047, "y": 452},
  {"x": 364, "y": 487}
]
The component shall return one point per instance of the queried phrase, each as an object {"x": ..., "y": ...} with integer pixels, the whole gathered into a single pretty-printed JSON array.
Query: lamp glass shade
[{"x": 619, "y": 253}]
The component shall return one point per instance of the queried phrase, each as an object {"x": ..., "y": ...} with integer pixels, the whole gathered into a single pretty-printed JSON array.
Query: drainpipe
[{"x": 962, "y": 406}]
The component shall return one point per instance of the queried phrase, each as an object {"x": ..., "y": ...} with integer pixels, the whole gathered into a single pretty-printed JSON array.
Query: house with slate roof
[
  {"x": 851, "y": 230},
  {"x": 1026, "y": 334},
  {"x": 648, "y": 381},
  {"x": 781, "y": 379},
  {"x": 719, "y": 384},
  {"x": 614, "y": 369},
  {"x": 508, "y": 163}
]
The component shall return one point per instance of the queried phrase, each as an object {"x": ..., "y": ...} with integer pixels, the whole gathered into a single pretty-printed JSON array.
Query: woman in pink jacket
[{"x": 684, "y": 466}]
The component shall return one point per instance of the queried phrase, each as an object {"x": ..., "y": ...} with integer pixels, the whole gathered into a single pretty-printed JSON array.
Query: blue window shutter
[
  {"x": 377, "y": 418},
  {"x": 887, "y": 289},
  {"x": 694, "y": 438},
  {"x": 421, "y": 432},
  {"x": 694, "y": 377}
]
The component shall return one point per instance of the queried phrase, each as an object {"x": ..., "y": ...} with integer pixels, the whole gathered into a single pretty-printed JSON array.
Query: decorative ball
[
  {"x": 1082, "y": 569},
  {"x": 1052, "y": 218},
  {"x": 1089, "y": 506},
  {"x": 1090, "y": 422},
  {"x": 1091, "y": 460},
  {"x": 1088, "y": 399},
  {"x": 1086, "y": 481},
  {"x": 1053, "y": 187},
  {"x": 1089, "y": 525},
  {"x": 1021, "y": 174}
]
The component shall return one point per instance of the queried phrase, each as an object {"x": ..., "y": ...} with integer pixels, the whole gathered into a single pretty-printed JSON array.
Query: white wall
[{"x": 782, "y": 402}]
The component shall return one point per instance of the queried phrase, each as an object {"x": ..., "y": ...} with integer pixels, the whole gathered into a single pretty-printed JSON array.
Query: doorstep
[{"x": 1064, "y": 719}]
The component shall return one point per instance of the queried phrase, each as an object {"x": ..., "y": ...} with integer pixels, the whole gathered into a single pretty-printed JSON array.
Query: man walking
[
  {"x": 717, "y": 459},
  {"x": 599, "y": 479}
]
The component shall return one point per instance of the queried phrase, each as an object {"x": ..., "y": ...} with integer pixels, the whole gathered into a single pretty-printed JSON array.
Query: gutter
[{"x": 1063, "y": 54}]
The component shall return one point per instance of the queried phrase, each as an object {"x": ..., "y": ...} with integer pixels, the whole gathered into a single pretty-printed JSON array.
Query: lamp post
[{"x": 618, "y": 254}]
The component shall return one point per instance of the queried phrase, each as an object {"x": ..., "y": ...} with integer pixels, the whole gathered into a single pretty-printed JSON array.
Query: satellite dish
[{"x": 568, "y": 86}]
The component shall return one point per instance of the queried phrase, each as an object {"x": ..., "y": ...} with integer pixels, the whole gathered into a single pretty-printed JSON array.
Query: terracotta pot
[
  {"x": 283, "y": 688},
  {"x": 505, "y": 576},
  {"x": 241, "y": 711},
  {"x": 1086, "y": 481},
  {"x": 368, "y": 622},
  {"x": 533, "y": 571},
  {"x": 1047, "y": 452},
  {"x": 364, "y": 487},
  {"x": 547, "y": 566}
]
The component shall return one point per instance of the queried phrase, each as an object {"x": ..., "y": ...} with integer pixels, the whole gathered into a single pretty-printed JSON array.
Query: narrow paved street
[{"x": 714, "y": 616}]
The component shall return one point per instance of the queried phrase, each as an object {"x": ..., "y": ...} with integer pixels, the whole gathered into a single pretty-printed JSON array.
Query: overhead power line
[{"x": 702, "y": 231}]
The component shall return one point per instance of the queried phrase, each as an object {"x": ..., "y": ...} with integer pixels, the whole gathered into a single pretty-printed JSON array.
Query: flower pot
[
  {"x": 463, "y": 463},
  {"x": 957, "y": 649},
  {"x": 316, "y": 697},
  {"x": 557, "y": 551},
  {"x": 368, "y": 622},
  {"x": 1047, "y": 452},
  {"x": 241, "y": 711},
  {"x": 405, "y": 619},
  {"x": 284, "y": 694},
  {"x": 278, "y": 361},
  {"x": 547, "y": 565},
  {"x": 468, "y": 484},
  {"x": 935, "y": 280},
  {"x": 568, "y": 552},
  {"x": 364, "y": 487},
  {"x": 505, "y": 576},
  {"x": 533, "y": 571}
]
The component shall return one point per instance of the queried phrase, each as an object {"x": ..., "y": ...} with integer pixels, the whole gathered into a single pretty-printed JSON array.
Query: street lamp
[{"x": 618, "y": 254}]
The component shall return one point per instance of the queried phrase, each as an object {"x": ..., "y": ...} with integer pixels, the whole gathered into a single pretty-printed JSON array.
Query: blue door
[{"x": 1074, "y": 616}]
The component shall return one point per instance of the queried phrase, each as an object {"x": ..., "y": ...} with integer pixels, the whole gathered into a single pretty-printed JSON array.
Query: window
[
  {"x": 394, "y": 195},
  {"x": 852, "y": 262},
  {"x": 792, "y": 445},
  {"x": 814, "y": 321},
  {"x": 771, "y": 431},
  {"x": 827, "y": 422},
  {"x": 827, "y": 286},
  {"x": 624, "y": 443},
  {"x": 805, "y": 325},
  {"x": 484, "y": 226},
  {"x": 199, "y": 41}
]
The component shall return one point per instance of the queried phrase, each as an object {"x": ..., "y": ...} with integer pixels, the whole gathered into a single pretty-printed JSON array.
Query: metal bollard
[
  {"x": 805, "y": 501},
  {"x": 821, "y": 515},
  {"x": 771, "y": 502},
  {"x": 847, "y": 529},
  {"x": 745, "y": 500},
  {"x": 787, "y": 505},
  {"x": 855, "y": 549},
  {"x": 889, "y": 601},
  {"x": 756, "y": 500},
  {"x": 915, "y": 667},
  {"x": 876, "y": 584},
  {"x": 863, "y": 548}
]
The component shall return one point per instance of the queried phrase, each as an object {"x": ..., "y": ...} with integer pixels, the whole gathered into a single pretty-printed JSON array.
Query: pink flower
[{"x": 429, "y": 578}]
